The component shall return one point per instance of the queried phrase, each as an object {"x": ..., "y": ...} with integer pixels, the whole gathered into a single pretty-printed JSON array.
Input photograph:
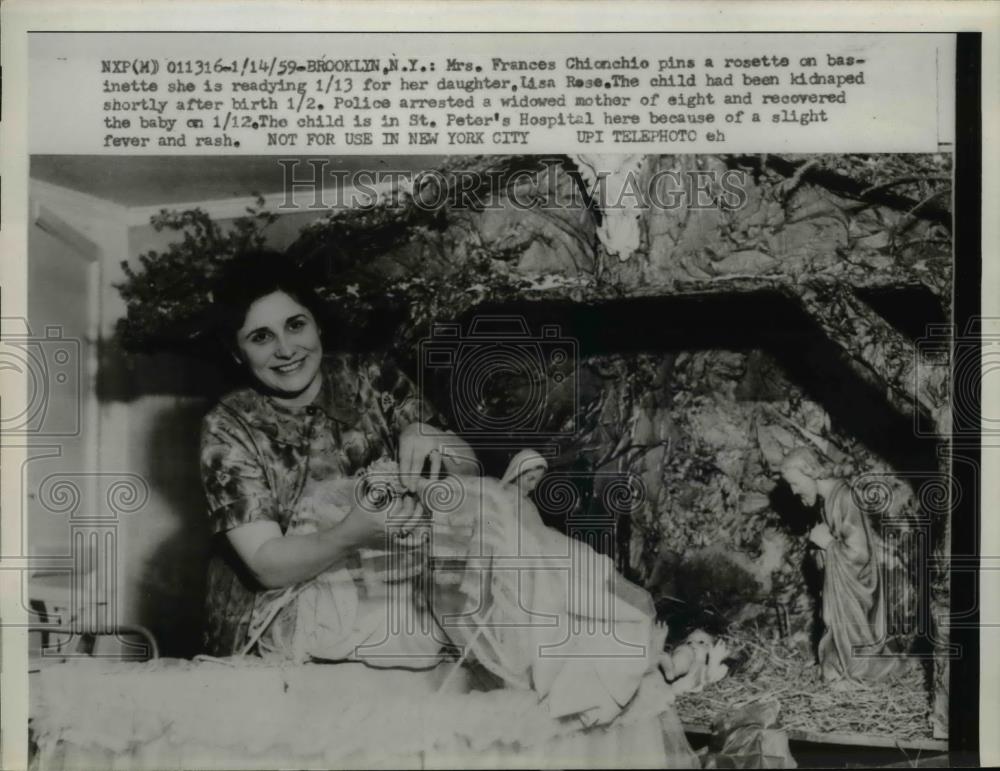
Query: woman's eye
[
  {"x": 260, "y": 337},
  {"x": 297, "y": 324}
]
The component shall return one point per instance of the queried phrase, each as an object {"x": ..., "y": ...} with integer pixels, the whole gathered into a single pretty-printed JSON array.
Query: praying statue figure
[
  {"x": 852, "y": 647},
  {"x": 525, "y": 471}
]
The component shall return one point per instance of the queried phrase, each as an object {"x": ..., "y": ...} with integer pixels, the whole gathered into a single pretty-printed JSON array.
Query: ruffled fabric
[
  {"x": 538, "y": 609},
  {"x": 240, "y": 712}
]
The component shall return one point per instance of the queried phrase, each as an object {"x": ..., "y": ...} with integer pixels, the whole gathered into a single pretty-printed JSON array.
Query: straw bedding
[{"x": 778, "y": 669}]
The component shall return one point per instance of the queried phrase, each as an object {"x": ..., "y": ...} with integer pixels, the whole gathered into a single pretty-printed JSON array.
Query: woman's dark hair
[{"x": 255, "y": 274}]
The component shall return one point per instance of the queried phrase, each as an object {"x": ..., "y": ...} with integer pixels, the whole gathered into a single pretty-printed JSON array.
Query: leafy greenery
[
  {"x": 167, "y": 294},
  {"x": 386, "y": 266}
]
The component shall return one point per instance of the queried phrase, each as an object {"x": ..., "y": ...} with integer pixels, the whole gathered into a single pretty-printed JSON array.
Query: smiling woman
[{"x": 270, "y": 451}]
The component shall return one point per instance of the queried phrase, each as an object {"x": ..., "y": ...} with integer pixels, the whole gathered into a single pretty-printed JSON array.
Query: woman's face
[
  {"x": 800, "y": 484},
  {"x": 280, "y": 344}
]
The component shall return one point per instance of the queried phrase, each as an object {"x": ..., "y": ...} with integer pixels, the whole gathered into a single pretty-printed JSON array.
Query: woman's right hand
[{"x": 368, "y": 519}]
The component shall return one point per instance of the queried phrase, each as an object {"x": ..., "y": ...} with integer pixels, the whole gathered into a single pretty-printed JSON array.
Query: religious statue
[{"x": 852, "y": 647}]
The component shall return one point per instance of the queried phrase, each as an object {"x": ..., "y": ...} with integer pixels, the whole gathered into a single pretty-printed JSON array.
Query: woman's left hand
[{"x": 419, "y": 442}]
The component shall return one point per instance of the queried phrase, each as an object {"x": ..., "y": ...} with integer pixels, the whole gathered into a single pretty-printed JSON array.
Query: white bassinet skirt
[{"x": 241, "y": 713}]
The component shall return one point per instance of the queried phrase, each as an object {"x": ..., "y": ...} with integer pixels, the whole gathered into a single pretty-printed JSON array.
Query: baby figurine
[{"x": 694, "y": 663}]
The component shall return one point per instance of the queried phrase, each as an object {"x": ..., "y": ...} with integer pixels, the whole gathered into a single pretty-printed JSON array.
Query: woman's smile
[{"x": 291, "y": 367}]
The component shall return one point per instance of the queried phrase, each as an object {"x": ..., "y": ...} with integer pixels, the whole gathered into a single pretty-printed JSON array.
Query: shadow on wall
[
  {"x": 171, "y": 576},
  {"x": 199, "y": 371}
]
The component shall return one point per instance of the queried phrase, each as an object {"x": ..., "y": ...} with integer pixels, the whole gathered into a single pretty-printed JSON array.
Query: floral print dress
[{"x": 261, "y": 460}]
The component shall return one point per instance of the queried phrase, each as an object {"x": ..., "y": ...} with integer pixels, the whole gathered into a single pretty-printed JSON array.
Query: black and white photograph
[{"x": 498, "y": 457}]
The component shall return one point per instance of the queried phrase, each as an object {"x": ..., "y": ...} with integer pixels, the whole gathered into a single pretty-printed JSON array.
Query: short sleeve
[{"x": 234, "y": 479}]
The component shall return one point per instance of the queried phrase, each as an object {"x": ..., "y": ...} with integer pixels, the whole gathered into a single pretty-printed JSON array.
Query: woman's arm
[
  {"x": 277, "y": 560},
  {"x": 245, "y": 508},
  {"x": 459, "y": 457}
]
